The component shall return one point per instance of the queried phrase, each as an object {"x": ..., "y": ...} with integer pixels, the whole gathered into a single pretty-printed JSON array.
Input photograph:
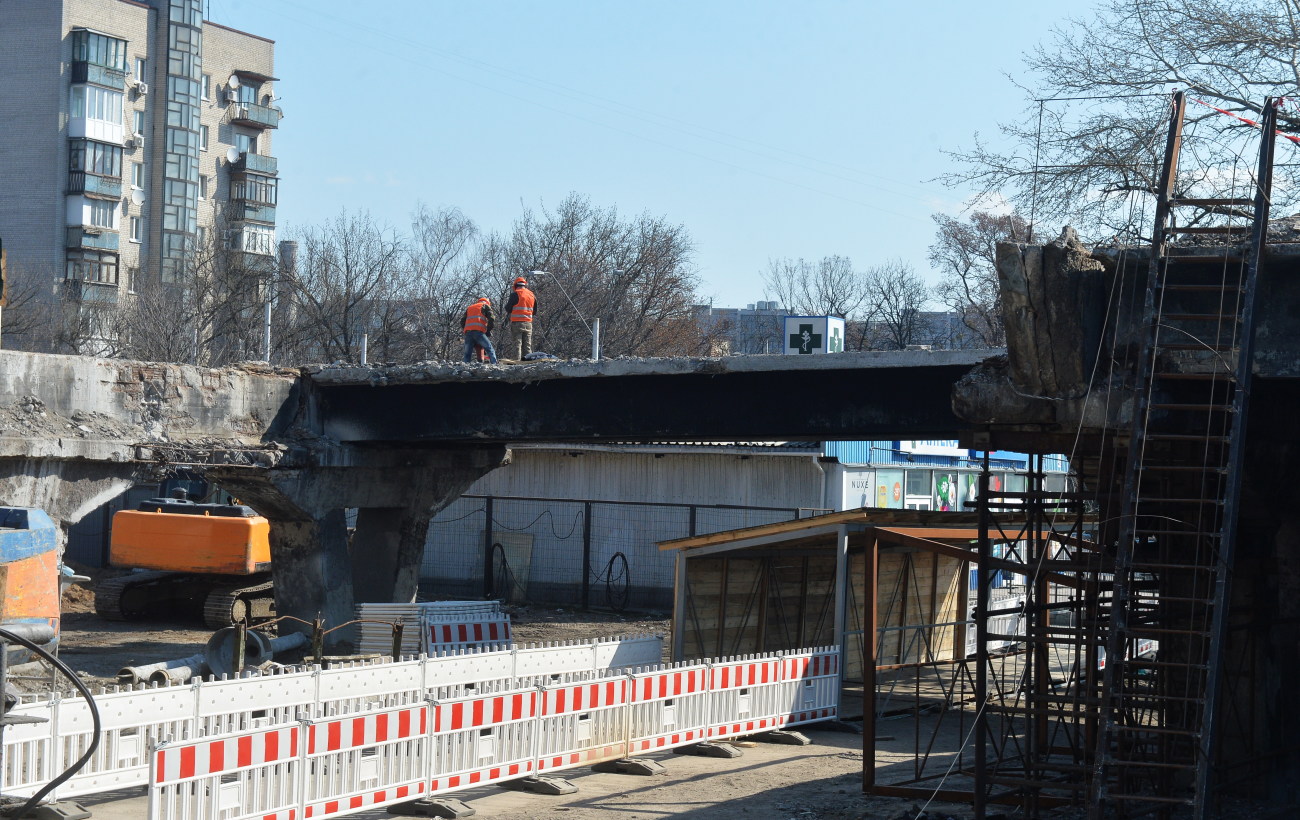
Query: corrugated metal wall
[{"x": 673, "y": 478}]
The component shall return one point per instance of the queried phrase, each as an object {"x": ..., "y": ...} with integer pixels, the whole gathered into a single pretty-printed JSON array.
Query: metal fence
[{"x": 600, "y": 554}]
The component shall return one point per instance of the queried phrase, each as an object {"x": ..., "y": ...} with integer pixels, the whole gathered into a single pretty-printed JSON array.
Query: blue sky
[{"x": 767, "y": 129}]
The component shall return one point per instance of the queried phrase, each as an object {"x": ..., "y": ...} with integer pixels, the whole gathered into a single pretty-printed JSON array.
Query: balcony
[
  {"x": 84, "y": 72},
  {"x": 104, "y": 239},
  {"x": 80, "y": 182},
  {"x": 256, "y": 163},
  {"x": 253, "y": 115},
  {"x": 257, "y": 212},
  {"x": 98, "y": 292}
]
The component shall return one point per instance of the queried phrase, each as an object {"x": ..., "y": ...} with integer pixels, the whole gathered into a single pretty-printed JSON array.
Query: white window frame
[
  {"x": 203, "y": 138},
  {"x": 94, "y": 103},
  {"x": 101, "y": 213},
  {"x": 137, "y": 175},
  {"x": 258, "y": 239},
  {"x": 137, "y": 229}
]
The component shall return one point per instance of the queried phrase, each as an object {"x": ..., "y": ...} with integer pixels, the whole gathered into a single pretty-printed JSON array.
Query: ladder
[{"x": 1173, "y": 560}]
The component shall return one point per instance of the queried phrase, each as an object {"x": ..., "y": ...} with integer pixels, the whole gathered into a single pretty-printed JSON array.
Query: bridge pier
[{"x": 321, "y": 571}]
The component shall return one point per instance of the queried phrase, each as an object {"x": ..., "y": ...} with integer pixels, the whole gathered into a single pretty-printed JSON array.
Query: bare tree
[
  {"x": 829, "y": 286},
  {"x": 1089, "y": 147},
  {"x": 33, "y": 313},
  {"x": 346, "y": 279},
  {"x": 636, "y": 275},
  {"x": 898, "y": 296},
  {"x": 965, "y": 255},
  {"x": 446, "y": 268}
]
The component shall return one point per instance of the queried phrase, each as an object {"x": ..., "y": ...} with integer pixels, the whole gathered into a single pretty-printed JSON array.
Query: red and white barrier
[
  {"x": 483, "y": 738},
  {"x": 582, "y": 723},
  {"x": 235, "y": 777},
  {"x": 669, "y": 708},
  {"x": 476, "y": 734},
  {"x": 365, "y": 761},
  {"x": 746, "y": 696},
  {"x": 449, "y": 636}
]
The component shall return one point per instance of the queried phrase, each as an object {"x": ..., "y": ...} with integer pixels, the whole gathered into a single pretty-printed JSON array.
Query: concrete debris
[{"x": 432, "y": 372}]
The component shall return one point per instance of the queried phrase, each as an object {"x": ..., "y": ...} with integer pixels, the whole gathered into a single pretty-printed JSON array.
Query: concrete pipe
[{"x": 140, "y": 674}]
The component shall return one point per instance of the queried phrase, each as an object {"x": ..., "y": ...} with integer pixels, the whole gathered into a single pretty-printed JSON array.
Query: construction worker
[
  {"x": 520, "y": 307},
  {"x": 477, "y": 325}
]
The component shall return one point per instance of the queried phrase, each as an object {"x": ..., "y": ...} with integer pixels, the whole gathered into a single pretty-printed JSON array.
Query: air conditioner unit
[
  {"x": 231, "y": 95},
  {"x": 136, "y": 140},
  {"x": 141, "y": 88}
]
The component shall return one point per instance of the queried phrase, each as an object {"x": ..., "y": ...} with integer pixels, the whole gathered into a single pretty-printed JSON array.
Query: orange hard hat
[{"x": 519, "y": 280}]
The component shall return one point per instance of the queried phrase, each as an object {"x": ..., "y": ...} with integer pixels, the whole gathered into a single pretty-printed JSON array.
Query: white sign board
[
  {"x": 814, "y": 334},
  {"x": 933, "y": 448}
]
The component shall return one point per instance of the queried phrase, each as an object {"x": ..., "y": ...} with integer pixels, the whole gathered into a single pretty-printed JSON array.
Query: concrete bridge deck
[{"x": 397, "y": 444}]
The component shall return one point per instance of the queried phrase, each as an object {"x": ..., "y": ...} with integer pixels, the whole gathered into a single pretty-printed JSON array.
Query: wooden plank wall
[{"x": 762, "y": 601}]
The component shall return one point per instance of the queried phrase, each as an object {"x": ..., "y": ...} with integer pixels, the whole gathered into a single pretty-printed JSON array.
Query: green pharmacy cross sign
[{"x": 805, "y": 340}]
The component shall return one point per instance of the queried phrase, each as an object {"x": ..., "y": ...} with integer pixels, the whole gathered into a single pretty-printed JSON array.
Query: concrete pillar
[{"x": 396, "y": 492}]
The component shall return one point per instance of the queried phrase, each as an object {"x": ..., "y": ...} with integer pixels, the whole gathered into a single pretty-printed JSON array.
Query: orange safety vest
[
  {"x": 523, "y": 309},
  {"x": 474, "y": 318}
]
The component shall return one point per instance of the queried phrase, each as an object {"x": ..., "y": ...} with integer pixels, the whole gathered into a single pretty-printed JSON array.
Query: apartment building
[{"x": 136, "y": 141}]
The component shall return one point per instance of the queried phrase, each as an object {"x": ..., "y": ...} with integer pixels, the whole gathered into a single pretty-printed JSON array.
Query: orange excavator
[{"x": 212, "y": 560}]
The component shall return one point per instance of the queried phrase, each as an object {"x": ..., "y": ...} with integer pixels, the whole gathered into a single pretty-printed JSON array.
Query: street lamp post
[{"x": 593, "y": 328}]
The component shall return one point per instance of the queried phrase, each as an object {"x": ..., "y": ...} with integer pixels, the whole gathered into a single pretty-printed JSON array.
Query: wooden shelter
[{"x": 902, "y": 576}]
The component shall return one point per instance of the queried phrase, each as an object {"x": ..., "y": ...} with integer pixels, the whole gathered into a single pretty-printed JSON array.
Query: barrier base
[
  {"x": 540, "y": 785},
  {"x": 629, "y": 765},
  {"x": 433, "y": 807},
  {"x": 60, "y": 810},
  {"x": 782, "y": 738},
  {"x": 724, "y": 750}
]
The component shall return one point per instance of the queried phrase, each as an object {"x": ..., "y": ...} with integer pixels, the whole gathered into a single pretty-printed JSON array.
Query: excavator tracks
[
  {"x": 247, "y": 603},
  {"x": 126, "y": 597},
  {"x": 220, "y": 600}
]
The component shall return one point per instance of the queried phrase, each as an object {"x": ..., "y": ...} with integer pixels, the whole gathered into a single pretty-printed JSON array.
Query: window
[
  {"x": 137, "y": 174},
  {"x": 92, "y": 266},
  {"x": 139, "y": 123},
  {"x": 137, "y": 229},
  {"x": 257, "y": 239},
  {"x": 132, "y": 274},
  {"x": 203, "y": 138},
  {"x": 918, "y": 482},
  {"x": 97, "y": 158},
  {"x": 245, "y": 144},
  {"x": 207, "y": 86},
  {"x": 202, "y": 241},
  {"x": 99, "y": 49},
  {"x": 95, "y": 103},
  {"x": 248, "y": 92},
  {"x": 140, "y": 69},
  {"x": 254, "y": 188},
  {"x": 103, "y": 214},
  {"x": 203, "y": 187}
]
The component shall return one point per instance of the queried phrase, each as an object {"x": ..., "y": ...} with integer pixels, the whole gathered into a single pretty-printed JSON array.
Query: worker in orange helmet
[
  {"x": 520, "y": 308},
  {"x": 477, "y": 325}
]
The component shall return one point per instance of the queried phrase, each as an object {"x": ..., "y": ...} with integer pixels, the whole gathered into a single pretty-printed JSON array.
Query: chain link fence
[{"x": 587, "y": 554}]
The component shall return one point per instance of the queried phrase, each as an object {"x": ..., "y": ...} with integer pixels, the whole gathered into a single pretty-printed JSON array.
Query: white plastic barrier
[
  {"x": 746, "y": 696},
  {"x": 445, "y": 636},
  {"x": 236, "y": 776},
  {"x": 484, "y": 738},
  {"x": 36, "y": 753},
  {"x": 479, "y": 733},
  {"x": 668, "y": 708},
  {"x": 365, "y": 761},
  {"x": 582, "y": 723},
  {"x": 810, "y": 686}
]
